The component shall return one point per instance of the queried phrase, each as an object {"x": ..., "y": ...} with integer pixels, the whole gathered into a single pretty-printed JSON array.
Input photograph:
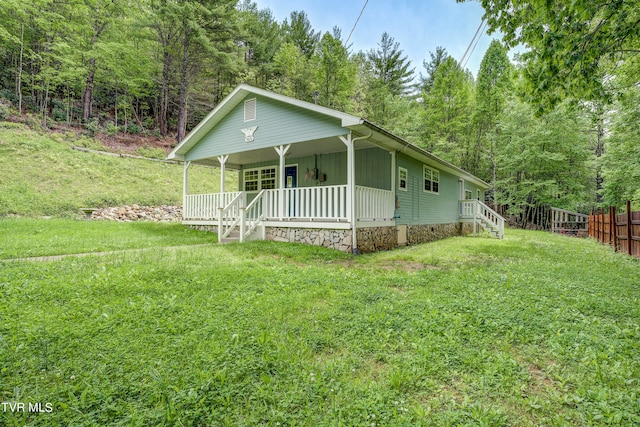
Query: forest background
[{"x": 557, "y": 125}]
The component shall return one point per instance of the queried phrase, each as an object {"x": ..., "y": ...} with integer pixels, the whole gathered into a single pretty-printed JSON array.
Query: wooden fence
[
  {"x": 568, "y": 222},
  {"x": 622, "y": 231}
]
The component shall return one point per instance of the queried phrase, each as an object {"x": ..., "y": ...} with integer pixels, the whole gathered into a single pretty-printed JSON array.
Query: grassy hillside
[{"x": 40, "y": 174}]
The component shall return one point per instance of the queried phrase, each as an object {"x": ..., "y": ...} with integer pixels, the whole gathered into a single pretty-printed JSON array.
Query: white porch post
[
  {"x": 393, "y": 172},
  {"x": 223, "y": 162},
  {"x": 185, "y": 189},
  {"x": 351, "y": 182},
  {"x": 282, "y": 151},
  {"x": 351, "y": 187}
]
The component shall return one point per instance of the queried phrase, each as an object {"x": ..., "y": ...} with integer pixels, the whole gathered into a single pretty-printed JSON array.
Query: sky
[{"x": 419, "y": 26}]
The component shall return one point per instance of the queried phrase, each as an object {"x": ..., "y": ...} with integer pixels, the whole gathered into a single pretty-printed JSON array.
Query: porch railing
[
  {"x": 374, "y": 203},
  {"x": 205, "y": 206},
  {"x": 307, "y": 203},
  {"x": 325, "y": 203}
]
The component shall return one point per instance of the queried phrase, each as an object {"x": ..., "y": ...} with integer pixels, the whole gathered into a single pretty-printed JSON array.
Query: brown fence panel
[
  {"x": 622, "y": 231},
  {"x": 635, "y": 233}
]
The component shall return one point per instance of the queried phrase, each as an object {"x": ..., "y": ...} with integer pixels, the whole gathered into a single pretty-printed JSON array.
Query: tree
[
  {"x": 98, "y": 15},
  {"x": 448, "y": 110},
  {"x": 385, "y": 74},
  {"x": 620, "y": 164},
  {"x": 301, "y": 34},
  {"x": 192, "y": 34},
  {"x": 543, "y": 160},
  {"x": 335, "y": 72},
  {"x": 262, "y": 39},
  {"x": 568, "y": 43},
  {"x": 493, "y": 87},
  {"x": 390, "y": 68},
  {"x": 295, "y": 74},
  {"x": 426, "y": 82}
]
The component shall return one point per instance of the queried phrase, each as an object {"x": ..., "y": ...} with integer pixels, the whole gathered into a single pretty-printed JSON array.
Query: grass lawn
[
  {"x": 29, "y": 237},
  {"x": 536, "y": 329}
]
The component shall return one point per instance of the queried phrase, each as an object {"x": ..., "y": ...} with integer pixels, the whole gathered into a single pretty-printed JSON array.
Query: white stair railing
[
  {"x": 483, "y": 215},
  {"x": 230, "y": 216},
  {"x": 252, "y": 216}
]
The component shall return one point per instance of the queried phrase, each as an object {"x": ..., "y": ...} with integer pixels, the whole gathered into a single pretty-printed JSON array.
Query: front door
[
  {"x": 291, "y": 176},
  {"x": 291, "y": 181}
]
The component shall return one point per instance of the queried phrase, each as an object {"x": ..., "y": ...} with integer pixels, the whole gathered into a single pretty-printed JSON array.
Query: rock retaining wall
[{"x": 162, "y": 213}]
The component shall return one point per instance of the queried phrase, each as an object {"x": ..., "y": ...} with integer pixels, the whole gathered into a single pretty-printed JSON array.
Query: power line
[
  {"x": 356, "y": 23},
  {"x": 471, "y": 42},
  {"x": 474, "y": 46}
]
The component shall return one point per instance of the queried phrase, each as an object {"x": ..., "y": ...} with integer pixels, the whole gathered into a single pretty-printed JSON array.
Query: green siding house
[{"x": 315, "y": 175}]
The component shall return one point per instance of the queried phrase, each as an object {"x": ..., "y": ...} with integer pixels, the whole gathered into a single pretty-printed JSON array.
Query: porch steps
[
  {"x": 233, "y": 237},
  {"x": 490, "y": 227},
  {"x": 479, "y": 214}
]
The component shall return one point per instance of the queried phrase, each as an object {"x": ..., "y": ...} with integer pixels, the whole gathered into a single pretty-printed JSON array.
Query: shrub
[
  {"x": 5, "y": 108},
  {"x": 110, "y": 128},
  {"x": 59, "y": 115},
  {"x": 93, "y": 126},
  {"x": 134, "y": 129}
]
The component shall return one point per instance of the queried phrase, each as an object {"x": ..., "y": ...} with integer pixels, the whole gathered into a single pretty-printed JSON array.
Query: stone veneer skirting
[
  {"x": 374, "y": 239},
  {"x": 430, "y": 232},
  {"x": 329, "y": 238},
  {"x": 370, "y": 239}
]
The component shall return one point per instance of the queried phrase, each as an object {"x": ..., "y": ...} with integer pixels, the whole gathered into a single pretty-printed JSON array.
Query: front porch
[
  {"x": 301, "y": 207},
  {"x": 304, "y": 204}
]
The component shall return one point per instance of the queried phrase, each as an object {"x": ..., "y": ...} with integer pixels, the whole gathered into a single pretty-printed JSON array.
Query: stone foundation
[
  {"x": 428, "y": 233},
  {"x": 207, "y": 228},
  {"x": 373, "y": 239},
  {"x": 329, "y": 238},
  {"x": 370, "y": 239}
]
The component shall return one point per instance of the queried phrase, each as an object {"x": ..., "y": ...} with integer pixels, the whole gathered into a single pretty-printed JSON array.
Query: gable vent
[{"x": 250, "y": 110}]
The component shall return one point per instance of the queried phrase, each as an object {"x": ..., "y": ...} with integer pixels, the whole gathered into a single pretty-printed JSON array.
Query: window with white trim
[
  {"x": 250, "y": 110},
  {"x": 260, "y": 179},
  {"x": 431, "y": 179},
  {"x": 468, "y": 194},
  {"x": 403, "y": 177}
]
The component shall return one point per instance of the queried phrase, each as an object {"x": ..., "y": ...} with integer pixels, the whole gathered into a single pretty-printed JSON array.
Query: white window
[
  {"x": 431, "y": 180},
  {"x": 478, "y": 194},
  {"x": 249, "y": 110},
  {"x": 260, "y": 179},
  {"x": 468, "y": 194},
  {"x": 403, "y": 177}
]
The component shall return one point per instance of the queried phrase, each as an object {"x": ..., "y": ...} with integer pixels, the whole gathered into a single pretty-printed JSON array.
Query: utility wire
[
  {"x": 474, "y": 47},
  {"x": 471, "y": 42},
  {"x": 356, "y": 23}
]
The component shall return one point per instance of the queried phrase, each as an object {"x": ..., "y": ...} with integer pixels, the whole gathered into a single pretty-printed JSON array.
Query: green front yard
[{"x": 535, "y": 329}]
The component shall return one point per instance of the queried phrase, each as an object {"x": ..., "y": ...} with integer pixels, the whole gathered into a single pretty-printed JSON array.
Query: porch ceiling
[{"x": 297, "y": 150}]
